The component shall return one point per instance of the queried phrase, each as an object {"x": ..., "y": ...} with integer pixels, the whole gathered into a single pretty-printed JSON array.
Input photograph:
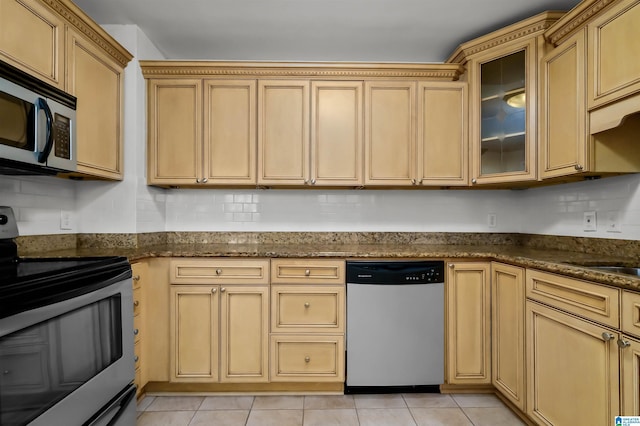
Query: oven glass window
[
  {"x": 16, "y": 118},
  {"x": 42, "y": 364}
]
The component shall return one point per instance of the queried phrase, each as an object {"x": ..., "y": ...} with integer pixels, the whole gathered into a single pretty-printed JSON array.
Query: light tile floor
[{"x": 363, "y": 410}]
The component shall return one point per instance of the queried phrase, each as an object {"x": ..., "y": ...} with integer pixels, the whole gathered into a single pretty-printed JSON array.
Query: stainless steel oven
[{"x": 66, "y": 340}]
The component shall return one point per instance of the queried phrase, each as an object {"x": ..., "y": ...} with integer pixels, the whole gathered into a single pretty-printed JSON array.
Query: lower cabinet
[
  {"x": 630, "y": 376},
  {"x": 467, "y": 311},
  {"x": 507, "y": 332},
  {"x": 140, "y": 277}
]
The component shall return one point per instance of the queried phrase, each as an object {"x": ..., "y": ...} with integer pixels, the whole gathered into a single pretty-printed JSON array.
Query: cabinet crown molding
[
  {"x": 79, "y": 20},
  {"x": 530, "y": 26},
  {"x": 575, "y": 19},
  {"x": 203, "y": 69}
]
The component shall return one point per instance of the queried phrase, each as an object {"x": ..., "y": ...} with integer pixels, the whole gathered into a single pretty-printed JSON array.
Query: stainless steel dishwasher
[{"x": 395, "y": 326}]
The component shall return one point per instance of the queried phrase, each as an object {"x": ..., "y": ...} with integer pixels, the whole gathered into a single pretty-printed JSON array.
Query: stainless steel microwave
[{"x": 37, "y": 125}]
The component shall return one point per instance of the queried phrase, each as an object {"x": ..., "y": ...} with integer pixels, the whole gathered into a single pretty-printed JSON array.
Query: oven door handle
[{"x": 121, "y": 402}]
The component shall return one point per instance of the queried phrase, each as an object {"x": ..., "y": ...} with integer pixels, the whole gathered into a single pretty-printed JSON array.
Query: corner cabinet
[
  {"x": 468, "y": 329},
  {"x": 502, "y": 75},
  {"x": 68, "y": 50}
]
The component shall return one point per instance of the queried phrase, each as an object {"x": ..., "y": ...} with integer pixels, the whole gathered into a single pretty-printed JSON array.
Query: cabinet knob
[
  {"x": 313, "y": 181},
  {"x": 623, "y": 343},
  {"x": 420, "y": 182},
  {"x": 6, "y": 372},
  {"x": 213, "y": 290},
  {"x": 578, "y": 167},
  {"x": 451, "y": 265},
  {"x": 136, "y": 277},
  {"x": 205, "y": 180},
  {"x": 307, "y": 359},
  {"x": 135, "y": 358},
  {"x": 607, "y": 336},
  {"x": 218, "y": 271},
  {"x": 136, "y": 303},
  {"x": 474, "y": 181},
  {"x": 306, "y": 304},
  {"x": 136, "y": 331},
  {"x": 413, "y": 181},
  {"x": 222, "y": 290},
  {"x": 306, "y": 181},
  {"x": 198, "y": 180},
  {"x": 307, "y": 272}
]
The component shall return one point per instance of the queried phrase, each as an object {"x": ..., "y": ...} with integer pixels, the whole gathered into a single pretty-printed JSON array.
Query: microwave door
[{"x": 18, "y": 123}]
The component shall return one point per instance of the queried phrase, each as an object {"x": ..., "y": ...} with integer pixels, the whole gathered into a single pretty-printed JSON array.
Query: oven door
[{"x": 61, "y": 364}]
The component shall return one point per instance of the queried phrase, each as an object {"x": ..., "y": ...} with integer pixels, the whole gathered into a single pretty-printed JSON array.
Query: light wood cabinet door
[
  {"x": 174, "y": 151},
  {"x": 194, "y": 333},
  {"x": 32, "y": 39},
  {"x": 443, "y": 144},
  {"x": 630, "y": 376},
  {"x": 468, "y": 338},
  {"x": 572, "y": 369},
  {"x": 390, "y": 133},
  {"x": 307, "y": 358},
  {"x": 98, "y": 83},
  {"x": 563, "y": 127},
  {"x": 614, "y": 54},
  {"x": 283, "y": 132},
  {"x": 230, "y": 141},
  {"x": 507, "y": 332},
  {"x": 244, "y": 334},
  {"x": 336, "y": 133},
  {"x": 140, "y": 271}
]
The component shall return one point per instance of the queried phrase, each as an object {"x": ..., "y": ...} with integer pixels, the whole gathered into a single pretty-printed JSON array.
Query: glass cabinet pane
[{"x": 503, "y": 114}]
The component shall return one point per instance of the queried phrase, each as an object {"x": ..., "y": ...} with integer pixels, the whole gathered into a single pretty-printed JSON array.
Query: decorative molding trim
[
  {"x": 172, "y": 69},
  {"x": 575, "y": 19},
  {"x": 81, "y": 22},
  {"x": 528, "y": 27}
]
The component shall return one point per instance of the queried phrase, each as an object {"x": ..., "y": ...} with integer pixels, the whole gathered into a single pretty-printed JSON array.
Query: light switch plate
[
  {"x": 612, "y": 221},
  {"x": 589, "y": 223}
]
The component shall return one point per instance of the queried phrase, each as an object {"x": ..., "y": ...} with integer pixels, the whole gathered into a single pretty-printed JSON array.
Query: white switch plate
[
  {"x": 66, "y": 220},
  {"x": 612, "y": 221},
  {"x": 492, "y": 220},
  {"x": 589, "y": 223}
]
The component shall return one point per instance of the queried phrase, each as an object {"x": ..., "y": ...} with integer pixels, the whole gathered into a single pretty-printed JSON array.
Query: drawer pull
[
  {"x": 607, "y": 336},
  {"x": 307, "y": 304},
  {"x": 213, "y": 290},
  {"x": 622, "y": 344},
  {"x": 136, "y": 359},
  {"x": 135, "y": 331},
  {"x": 307, "y": 359},
  {"x": 136, "y": 303},
  {"x": 218, "y": 271},
  {"x": 136, "y": 277},
  {"x": 222, "y": 290},
  {"x": 307, "y": 272}
]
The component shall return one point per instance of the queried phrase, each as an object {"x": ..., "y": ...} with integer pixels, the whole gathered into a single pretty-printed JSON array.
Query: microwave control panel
[{"x": 62, "y": 136}]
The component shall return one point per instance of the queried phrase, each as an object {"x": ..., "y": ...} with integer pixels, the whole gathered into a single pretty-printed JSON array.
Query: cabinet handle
[
  {"x": 136, "y": 303},
  {"x": 306, "y": 304},
  {"x": 578, "y": 167},
  {"x": 136, "y": 277},
  {"x": 607, "y": 336},
  {"x": 451, "y": 265},
  {"x": 307, "y": 272},
  {"x": 313, "y": 181},
  {"x": 623, "y": 343},
  {"x": 307, "y": 359},
  {"x": 197, "y": 180},
  {"x": 218, "y": 271},
  {"x": 222, "y": 290},
  {"x": 420, "y": 182},
  {"x": 474, "y": 181},
  {"x": 306, "y": 181},
  {"x": 413, "y": 181},
  {"x": 135, "y": 358},
  {"x": 213, "y": 290},
  {"x": 205, "y": 180},
  {"x": 136, "y": 331}
]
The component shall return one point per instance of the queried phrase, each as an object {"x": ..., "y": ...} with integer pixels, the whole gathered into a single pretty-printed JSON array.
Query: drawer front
[
  {"x": 219, "y": 271},
  {"x": 592, "y": 301},
  {"x": 631, "y": 313},
  {"x": 299, "y": 271},
  {"x": 307, "y": 358},
  {"x": 305, "y": 309}
]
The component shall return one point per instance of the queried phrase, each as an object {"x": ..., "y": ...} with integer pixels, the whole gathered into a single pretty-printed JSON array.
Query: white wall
[{"x": 131, "y": 206}]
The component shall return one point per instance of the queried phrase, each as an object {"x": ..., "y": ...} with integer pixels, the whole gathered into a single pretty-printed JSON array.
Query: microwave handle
[{"x": 44, "y": 154}]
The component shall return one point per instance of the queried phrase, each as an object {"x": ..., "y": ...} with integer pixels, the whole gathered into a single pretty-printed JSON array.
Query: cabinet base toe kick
[{"x": 333, "y": 388}]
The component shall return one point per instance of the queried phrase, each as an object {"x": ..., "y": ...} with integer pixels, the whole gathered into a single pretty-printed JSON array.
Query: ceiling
[{"x": 315, "y": 30}]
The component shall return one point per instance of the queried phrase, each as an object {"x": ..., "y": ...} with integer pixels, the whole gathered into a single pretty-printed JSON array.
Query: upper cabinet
[
  {"x": 590, "y": 92},
  {"x": 56, "y": 42},
  {"x": 305, "y": 124},
  {"x": 502, "y": 75}
]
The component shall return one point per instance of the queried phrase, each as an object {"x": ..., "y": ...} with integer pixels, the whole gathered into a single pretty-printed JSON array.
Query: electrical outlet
[
  {"x": 612, "y": 221},
  {"x": 66, "y": 220},
  {"x": 492, "y": 220},
  {"x": 589, "y": 223}
]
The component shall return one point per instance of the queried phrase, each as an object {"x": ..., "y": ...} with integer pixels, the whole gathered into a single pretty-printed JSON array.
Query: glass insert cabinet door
[{"x": 504, "y": 92}]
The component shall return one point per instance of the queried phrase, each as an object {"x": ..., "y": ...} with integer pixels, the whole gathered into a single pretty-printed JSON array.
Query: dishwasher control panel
[{"x": 395, "y": 272}]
